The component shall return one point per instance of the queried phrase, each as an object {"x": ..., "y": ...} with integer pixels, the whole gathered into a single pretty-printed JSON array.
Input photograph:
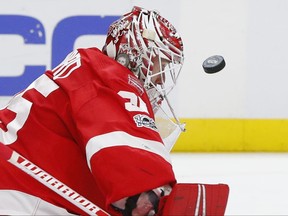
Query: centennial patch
[{"x": 145, "y": 121}]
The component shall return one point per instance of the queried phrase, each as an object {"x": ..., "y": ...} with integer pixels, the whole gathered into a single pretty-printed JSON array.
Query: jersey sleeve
[{"x": 115, "y": 127}]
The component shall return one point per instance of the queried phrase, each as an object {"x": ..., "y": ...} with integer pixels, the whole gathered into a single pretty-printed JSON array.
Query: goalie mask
[{"x": 151, "y": 48}]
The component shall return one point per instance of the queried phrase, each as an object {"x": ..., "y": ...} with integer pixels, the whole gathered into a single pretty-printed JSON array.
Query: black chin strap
[{"x": 131, "y": 204}]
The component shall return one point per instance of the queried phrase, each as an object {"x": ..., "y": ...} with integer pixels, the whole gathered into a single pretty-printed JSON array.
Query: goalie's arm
[{"x": 49, "y": 181}]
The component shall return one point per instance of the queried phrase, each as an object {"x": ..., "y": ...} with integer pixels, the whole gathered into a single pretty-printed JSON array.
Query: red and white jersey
[{"x": 88, "y": 123}]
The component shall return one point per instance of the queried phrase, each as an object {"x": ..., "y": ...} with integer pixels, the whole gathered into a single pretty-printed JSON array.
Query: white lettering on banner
[
  {"x": 132, "y": 105},
  {"x": 120, "y": 138},
  {"x": 21, "y": 106},
  {"x": 69, "y": 64},
  {"x": 50, "y": 181}
]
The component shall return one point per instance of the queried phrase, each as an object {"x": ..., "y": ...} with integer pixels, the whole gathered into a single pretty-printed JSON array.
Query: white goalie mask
[{"x": 151, "y": 48}]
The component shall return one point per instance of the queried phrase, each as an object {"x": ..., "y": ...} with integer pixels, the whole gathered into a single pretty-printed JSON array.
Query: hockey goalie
[{"x": 100, "y": 125}]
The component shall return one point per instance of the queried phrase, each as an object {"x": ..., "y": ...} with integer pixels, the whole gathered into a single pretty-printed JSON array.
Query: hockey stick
[{"x": 49, "y": 181}]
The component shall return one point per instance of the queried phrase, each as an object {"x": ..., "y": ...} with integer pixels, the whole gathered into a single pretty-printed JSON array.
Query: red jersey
[{"x": 88, "y": 123}]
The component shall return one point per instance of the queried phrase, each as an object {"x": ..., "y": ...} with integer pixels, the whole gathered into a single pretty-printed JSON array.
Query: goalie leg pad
[{"x": 195, "y": 199}]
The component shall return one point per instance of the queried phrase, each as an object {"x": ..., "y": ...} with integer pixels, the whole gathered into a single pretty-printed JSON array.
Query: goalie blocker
[{"x": 195, "y": 199}]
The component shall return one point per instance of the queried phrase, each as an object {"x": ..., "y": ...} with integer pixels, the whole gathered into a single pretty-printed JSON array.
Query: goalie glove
[{"x": 195, "y": 199}]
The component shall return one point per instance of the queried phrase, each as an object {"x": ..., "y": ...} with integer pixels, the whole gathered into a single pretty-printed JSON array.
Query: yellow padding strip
[{"x": 237, "y": 135}]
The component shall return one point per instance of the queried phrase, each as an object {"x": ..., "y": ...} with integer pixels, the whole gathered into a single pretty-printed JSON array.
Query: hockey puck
[{"x": 213, "y": 64}]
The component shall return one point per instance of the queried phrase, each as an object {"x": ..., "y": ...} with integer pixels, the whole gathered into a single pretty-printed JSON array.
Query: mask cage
[{"x": 163, "y": 69}]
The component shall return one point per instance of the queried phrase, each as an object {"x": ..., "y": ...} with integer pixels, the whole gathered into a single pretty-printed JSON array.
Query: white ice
[{"x": 257, "y": 181}]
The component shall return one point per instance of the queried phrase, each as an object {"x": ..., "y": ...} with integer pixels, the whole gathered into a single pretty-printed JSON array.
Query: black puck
[{"x": 213, "y": 64}]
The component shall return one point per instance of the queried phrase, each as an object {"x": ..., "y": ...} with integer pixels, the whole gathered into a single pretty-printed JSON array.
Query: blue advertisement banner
[{"x": 63, "y": 39}]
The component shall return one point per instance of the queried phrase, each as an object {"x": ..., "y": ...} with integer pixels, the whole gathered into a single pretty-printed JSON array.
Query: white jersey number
[
  {"x": 22, "y": 107},
  {"x": 133, "y": 104}
]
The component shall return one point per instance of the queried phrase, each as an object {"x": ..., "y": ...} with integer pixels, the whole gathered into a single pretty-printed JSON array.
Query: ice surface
[{"x": 257, "y": 181}]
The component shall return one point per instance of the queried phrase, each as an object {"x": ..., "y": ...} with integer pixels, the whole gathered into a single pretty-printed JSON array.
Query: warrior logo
[{"x": 145, "y": 121}]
